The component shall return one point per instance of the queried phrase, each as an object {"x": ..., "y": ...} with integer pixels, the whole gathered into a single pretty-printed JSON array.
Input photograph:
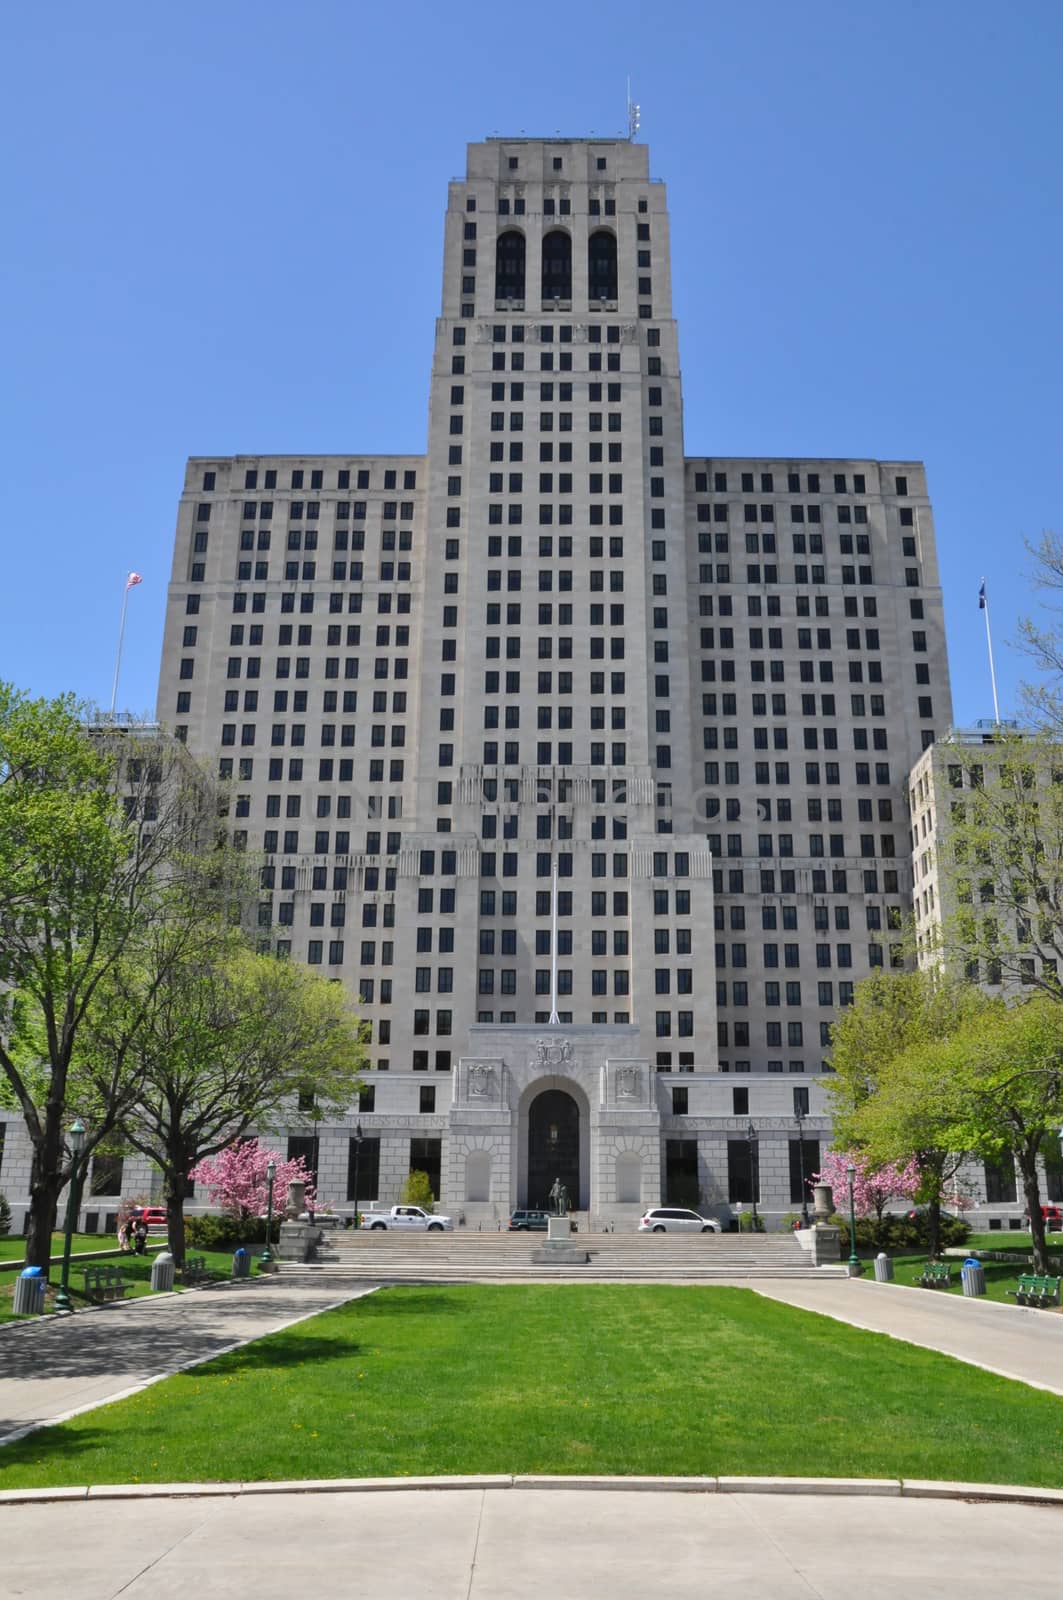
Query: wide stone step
[{"x": 645, "y": 1258}]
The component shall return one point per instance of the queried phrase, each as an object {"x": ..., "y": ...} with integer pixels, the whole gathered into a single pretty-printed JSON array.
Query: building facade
[{"x": 691, "y": 687}]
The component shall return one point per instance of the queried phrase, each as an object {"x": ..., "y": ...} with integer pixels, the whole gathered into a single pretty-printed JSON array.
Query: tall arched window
[
  {"x": 509, "y": 266},
  {"x": 557, "y": 266},
  {"x": 601, "y": 266}
]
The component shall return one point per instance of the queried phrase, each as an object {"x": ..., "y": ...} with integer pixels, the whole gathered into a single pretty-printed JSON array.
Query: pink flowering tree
[
  {"x": 236, "y": 1178},
  {"x": 873, "y": 1187}
]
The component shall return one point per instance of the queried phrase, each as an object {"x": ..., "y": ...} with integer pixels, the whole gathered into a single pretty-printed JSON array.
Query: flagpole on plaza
[
  {"x": 983, "y": 605},
  {"x": 131, "y": 582}
]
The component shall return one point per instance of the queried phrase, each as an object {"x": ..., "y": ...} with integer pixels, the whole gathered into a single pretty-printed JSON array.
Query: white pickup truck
[{"x": 405, "y": 1219}]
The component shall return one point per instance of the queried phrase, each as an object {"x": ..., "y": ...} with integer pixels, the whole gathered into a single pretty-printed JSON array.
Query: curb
[{"x": 893, "y": 1488}]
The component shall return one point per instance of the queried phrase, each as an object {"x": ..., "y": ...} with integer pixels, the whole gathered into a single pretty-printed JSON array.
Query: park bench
[
  {"x": 936, "y": 1275},
  {"x": 105, "y": 1283},
  {"x": 1036, "y": 1290},
  {"x": 196, "y": 1269}
]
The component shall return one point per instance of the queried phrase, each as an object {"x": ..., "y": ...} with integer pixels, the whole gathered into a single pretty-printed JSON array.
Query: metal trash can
[
  {"x": 29, "y": 1292},
  {"x": 883, "y": 1268},
  {"x": 162, "y": 1270},
  {"x": 241, "y": 1263},
  {"x": 973, "y": 1274}
]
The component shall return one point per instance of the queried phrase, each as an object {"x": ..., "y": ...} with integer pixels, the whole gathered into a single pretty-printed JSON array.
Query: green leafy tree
[
  {"x": 230, "y": 1040},
  {"x": 5, "y": 1215},
  {"x": 1007, "y": 1097},
  {"x": 893, "y": 1052},
  {"x": 417, "y": 1190},
  {"x": 96, "y": 826}
]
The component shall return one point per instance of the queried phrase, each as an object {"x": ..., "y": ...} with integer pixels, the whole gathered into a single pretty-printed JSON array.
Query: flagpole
[
  {"x": 989, "y": 644},
  {"x": 118, "y": 657},
  {"x": 555, "y": 1020}
]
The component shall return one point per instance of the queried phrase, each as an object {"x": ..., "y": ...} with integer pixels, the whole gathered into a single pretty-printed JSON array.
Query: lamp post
[
  {"x": 266, "y": 1258},
  {"x": 751, "y": 1141},
  {"x": 76, "y": 1143},
  {"x": 854, "y": 1260},
  {"x": 358, "y": 1136},
  {"x": 799, "y": 1118}
]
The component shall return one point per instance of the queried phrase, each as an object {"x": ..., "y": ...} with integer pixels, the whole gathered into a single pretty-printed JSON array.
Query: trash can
[
  {"x": 883, "y": 1268},
  {"x": 973, "y": 1274},
  {"x": 162, "y": 1271},
  {"x": 241, "y": 1263},
  {"x": 29, "y": 1292}
]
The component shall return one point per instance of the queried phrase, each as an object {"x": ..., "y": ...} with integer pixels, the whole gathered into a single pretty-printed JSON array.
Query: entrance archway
[{"x": 553, "y": 1147}]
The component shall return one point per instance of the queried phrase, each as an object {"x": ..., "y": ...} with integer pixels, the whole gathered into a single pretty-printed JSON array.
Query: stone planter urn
[
  {"x": 823, "y": 1202},
  {"x": 296, "y": 1202}
]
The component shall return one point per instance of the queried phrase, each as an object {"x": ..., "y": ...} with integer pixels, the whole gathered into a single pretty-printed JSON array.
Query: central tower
[{"x": 554, "y": 713}]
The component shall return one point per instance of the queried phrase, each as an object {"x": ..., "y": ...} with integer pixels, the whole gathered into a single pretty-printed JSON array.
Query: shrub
[
  {"x": 417, "y": 1191},
  {"x": 5, "y": 1216},
  {"x": 225, "y": 1232}
]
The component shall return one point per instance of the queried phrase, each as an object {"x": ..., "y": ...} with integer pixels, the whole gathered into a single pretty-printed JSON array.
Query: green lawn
[
  {"x": 1012, "y": 1241},
  {"x": 570, "y": 1380},
  {"x": 1000, "y": 1276},
  {"x": 135, "y": 1269}
]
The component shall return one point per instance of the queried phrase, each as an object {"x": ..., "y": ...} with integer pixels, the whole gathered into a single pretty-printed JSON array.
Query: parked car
[
  {"x": 153, "y": 1216},
  {"x": 676, "y": 1219},
  {"x": 406, "y": 1219},
  {"x": 1053, "y": 1218},
  {"x": 529, "y": 1221}
]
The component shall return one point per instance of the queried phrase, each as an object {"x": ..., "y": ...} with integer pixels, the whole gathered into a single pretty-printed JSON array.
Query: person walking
[{"x": 140, "y": 1235}]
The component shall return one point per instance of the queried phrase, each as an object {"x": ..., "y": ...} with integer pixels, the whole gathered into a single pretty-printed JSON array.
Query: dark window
[
  {"x": 601, "y": 266},
  {"x": 557, "y": 266},
  {"x": 509, "y": 266},
  {"x": 366, "y": 1161}
]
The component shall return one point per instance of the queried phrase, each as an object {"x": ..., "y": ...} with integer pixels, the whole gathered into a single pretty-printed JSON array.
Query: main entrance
[{"x": 553, "y": 1147}]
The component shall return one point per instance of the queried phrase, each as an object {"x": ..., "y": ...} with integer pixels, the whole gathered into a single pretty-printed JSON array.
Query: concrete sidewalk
[
  {"x": 1012, "y": 1341},
  {"x": 561, "y": 1542},
  {"x": 50, "y": 1369}
]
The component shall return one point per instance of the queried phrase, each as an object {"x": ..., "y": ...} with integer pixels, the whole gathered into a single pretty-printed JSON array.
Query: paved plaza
[{"x": 509, "y": 1544}]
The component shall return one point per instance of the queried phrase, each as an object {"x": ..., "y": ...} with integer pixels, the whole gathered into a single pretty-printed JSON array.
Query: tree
[
  {"x": 229, "y": 1043},
  {"x": 873, "y": 1186},
  {"x": 238, "y": 1181},
  {"x": 894, "y": 1056},
  {"x": 1009, "y": 1095},
  {"x": 95, "y": 829},
  {"x": 417, "y": 1190},
  {"x": 1043, "y": 642},
  {"x": 891, "y": 1012},
  {"x": 5, "y": 1215}
]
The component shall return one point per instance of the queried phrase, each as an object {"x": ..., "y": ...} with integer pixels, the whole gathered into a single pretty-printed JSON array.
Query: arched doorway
[{"x": 553, "y": 1147}]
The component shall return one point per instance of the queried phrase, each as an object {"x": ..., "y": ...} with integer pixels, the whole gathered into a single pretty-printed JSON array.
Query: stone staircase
[{"x": 386, "y": 1257}]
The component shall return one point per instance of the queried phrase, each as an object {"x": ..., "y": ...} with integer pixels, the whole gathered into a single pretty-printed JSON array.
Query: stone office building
[{"x": 692, "y": 687}]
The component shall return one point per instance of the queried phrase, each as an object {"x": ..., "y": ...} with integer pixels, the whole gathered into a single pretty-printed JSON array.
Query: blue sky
[{"x": 223, "y": 233}]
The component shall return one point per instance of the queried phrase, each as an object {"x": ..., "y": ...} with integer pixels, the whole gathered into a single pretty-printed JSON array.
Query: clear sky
[{"x": 223, "y": 227}]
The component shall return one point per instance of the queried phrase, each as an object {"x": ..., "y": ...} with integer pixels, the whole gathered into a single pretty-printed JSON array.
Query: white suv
[{"x": 674, "y": 1219}]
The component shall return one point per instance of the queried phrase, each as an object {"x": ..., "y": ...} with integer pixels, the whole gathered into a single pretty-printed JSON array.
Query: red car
[
  {"x": 1053, "y": 1219},
  {"x": 153, "y": 1216}
]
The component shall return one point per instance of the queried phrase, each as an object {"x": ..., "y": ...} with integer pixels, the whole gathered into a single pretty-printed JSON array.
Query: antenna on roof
[{"x": 634, "y": 114}]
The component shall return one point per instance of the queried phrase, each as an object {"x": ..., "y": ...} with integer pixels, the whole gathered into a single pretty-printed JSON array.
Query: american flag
[
  {"x": 981, "y": 597},
  {"x": 133, "y": 579}
]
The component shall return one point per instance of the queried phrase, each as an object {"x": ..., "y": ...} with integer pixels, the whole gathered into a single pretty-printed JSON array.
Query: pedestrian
[
  {"x": 124, "y": 1228},
  {"x": 141, "y": 1236}
]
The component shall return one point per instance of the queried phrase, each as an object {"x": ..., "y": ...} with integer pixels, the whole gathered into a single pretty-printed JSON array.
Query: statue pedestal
[
  {"x": 559, "y": 1251},
  {"x": 826, "y": 1244},
  {"x": 296, "y": 1241}
]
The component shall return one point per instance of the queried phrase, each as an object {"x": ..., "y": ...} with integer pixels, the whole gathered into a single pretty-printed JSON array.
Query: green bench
[
  {"x": 196, "y": 1269},
  {"x": 1036, "y": 1290},
  {"x": 105, "y": 1283},
  {"x": 936, "y": 1275}
]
